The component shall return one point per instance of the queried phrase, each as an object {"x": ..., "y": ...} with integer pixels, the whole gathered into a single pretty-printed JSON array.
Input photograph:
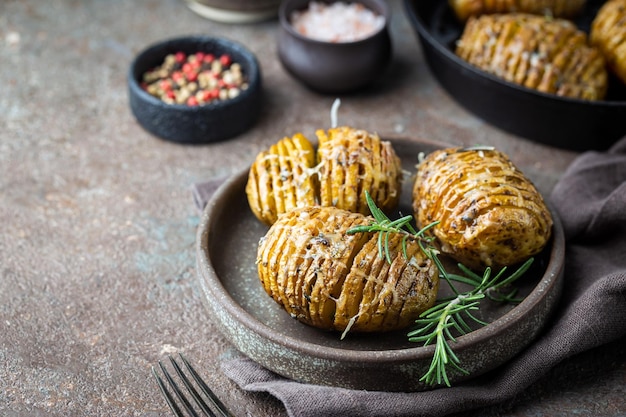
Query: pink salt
[{"x": 336, "y": 22}]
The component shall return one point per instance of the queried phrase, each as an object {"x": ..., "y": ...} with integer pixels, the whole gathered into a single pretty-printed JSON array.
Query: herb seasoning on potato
[
  {"x": 334, "y": 280},
  {"x": 489, "y": 213},
  {"x": 354, "y": 161},
  {"x": 608, "y": 33},
  {"x": 282, "y": 178},
  {"x": 544, "y": 54},
  {"x": 347, "y": 163},
  {"x": 331, "y": 266},
  {"x": 556, "y": 8}
]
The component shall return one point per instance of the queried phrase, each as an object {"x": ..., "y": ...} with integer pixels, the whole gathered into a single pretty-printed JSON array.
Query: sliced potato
[
  {"x": 608, "y": 32},
  {"x": 353, "y": 161},
  {"x": 281, "y": 179},
  {"x": 463, "y": 9},
  {"x": 347, "y": 163},
  {"x": 544, "y": 54},
  {"x": 489, "y": 213},
  {"x": 332, "y": 280}
]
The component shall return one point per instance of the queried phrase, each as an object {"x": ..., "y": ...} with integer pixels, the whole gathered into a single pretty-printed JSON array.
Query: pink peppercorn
[
  {"x": 177, "y": 76},
  {"x": 194, "y": 79},
  {"x": 225, "y": 60},
  {"x": 165, "y": 85},
  {"x": 180, "y": 57},
  {"x": 206, "y": 95}
]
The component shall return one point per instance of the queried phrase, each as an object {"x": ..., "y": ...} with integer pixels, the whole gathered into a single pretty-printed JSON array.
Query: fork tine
[
  {"x": 197, "y": 398},
  {"x": 223, "y": 410},
  {"x": 179, "y": 395},
  {"x": 168, "y": 397},
  {"x": 183, "y": 402}
]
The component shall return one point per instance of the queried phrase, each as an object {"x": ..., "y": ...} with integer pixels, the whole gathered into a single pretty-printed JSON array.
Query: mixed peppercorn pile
[{"x": 195, "y": 79}]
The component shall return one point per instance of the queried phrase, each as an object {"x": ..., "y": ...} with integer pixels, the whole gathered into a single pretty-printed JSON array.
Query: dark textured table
[{"x": 97, "y": 256}]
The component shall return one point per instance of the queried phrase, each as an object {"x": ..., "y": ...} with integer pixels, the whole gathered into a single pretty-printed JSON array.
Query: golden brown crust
[
  {"x": 332, "y": 280},
  {"x": 348, "y": 163},
  {"x": 353, "y": 161},
  {"x": 608, "y": 33},
  {"x": 548, "y": 55},
  {"x": 280, "y": 179},
  {"x": 463, "y": 9},
  {"x": 490, "y": 214}
]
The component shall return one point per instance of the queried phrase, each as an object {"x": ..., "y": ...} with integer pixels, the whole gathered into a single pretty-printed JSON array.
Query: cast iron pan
[{"x": 560, "y": 122}]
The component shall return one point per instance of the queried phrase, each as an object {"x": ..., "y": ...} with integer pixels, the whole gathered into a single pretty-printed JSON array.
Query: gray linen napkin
[{"x": 591, "y": 201}]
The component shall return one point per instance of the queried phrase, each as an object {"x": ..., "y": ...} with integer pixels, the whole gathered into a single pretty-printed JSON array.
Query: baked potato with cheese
[
  {"x": 281, "y": 178},
  {"x": 544, "y": 54},
  {"x": 463, "y": 9},
  {"x": 608, "y": 33},
  {"x": 353, "y": 161},
  {"x": 489, "y": 213},
  {"x": 330, "y": 279},
  {"x": 347, "y": 163}
]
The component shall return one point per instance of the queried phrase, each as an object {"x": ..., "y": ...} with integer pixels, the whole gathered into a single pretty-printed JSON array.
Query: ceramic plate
[{"x": 226, "y": 251}]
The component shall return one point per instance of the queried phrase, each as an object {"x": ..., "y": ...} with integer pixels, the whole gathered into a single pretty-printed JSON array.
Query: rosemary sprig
[
  {"x": 438, "y": 324},
  {"x": 385, "y": 226}
]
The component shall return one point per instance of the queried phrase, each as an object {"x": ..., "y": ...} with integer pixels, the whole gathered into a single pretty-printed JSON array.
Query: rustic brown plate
[{"x": 226, "y": 251}]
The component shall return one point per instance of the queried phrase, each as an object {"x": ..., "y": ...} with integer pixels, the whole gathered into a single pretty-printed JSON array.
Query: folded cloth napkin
[{"x": 591, "y": 201}]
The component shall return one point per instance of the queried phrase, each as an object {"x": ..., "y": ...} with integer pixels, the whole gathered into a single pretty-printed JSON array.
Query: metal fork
[{"x": 200, "y": 399}]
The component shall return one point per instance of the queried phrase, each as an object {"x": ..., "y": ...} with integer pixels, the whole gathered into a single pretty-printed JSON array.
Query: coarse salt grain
[{"x": 336, "y": 22}]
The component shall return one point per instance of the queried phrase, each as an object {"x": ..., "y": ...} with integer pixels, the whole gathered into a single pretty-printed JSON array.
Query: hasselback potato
[
  {"x": 281, "y": 178},
  {"x": 332, "y": 280},
  {"x": 490, "y": 214},
  {"x": 548, "y": 55},
  {"x": 556, "y": 8},
  {"x": 608, "y": 33},
  {"x": 353, "y": 161},
  {"x": 347, "y": 163}
]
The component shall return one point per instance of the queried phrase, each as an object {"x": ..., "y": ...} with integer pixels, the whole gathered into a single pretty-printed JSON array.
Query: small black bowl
[
  {"x": 545, "y": 118},
  {"x": 212, "y": 122},
  {"x": 333, "y": 67}
]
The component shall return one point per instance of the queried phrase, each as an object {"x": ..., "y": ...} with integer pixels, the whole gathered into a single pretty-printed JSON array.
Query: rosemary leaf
[{"x": 451, "y": 317}]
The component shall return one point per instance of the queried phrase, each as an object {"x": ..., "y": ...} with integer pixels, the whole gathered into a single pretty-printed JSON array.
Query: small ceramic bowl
[
  {"x": 235, "y": 11},
  {"x": 333, "y": 67},
  {"x": 211, "y": 122}
]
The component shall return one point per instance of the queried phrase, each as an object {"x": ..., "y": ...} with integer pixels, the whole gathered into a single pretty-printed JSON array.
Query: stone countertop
[{"x": 97, "y": 252}]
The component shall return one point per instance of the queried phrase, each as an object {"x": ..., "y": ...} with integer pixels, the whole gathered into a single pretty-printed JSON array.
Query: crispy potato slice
[
  {"x": 375, "y": 298},
  {"x": 281, "y": 179},
  {"x": 332, "y": 280},
  {"x": 463, "y": 9},
  {"x": 545, "y": 54},
  {"x": 608, "y": 32},
  {"x": 353, "y": 161},
  {"x": 347, "y": 163},
  {"x": 490, "y": 214}
]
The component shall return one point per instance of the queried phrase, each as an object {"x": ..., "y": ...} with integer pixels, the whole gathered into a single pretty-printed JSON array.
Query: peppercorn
[{"x": 195, "y": 79}]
